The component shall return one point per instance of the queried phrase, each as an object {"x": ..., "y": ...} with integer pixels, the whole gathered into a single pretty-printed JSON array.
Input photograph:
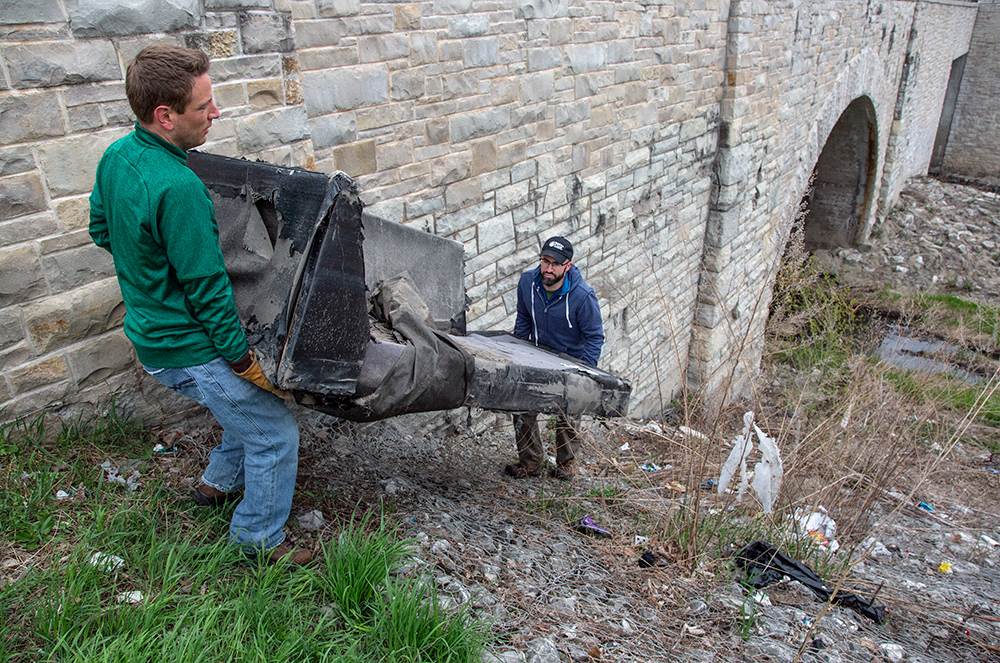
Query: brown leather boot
[{"x": 286, "y": 552}]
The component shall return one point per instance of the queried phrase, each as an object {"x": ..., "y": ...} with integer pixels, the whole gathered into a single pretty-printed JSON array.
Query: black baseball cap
[{"x": 558, "y": 248}]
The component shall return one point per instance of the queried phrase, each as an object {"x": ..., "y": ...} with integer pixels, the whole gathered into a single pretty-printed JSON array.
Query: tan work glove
[{"x": 248, "y": 368}]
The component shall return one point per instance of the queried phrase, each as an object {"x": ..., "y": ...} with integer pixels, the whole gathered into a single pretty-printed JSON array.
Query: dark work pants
[{"x": 529, "y": 440}]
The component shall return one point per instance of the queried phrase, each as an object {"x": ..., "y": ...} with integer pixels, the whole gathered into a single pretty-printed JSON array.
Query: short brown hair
[{"x": 163, "y": 75}]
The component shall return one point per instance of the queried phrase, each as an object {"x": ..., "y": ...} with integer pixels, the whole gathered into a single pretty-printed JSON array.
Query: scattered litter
[
  {"x": 588, "y": 526},
  {"x": 312, "y": 520},
  {"x": 893, "y": 652},
  {"x": 106, "y": 562},
  {"x": 988, "y": 541},
  {"x": 623, "y": 447},
  {"x": 9, "y": 563},
  {"x": 760, "y": 598},
  {"x": 877, "y": 550},
  {"x": 767, "y": 473},
  {"x": 709, "y": 484},
  {"x": 639, "y": 540},
  {"x": 62, "y": 495},
  {"x": 742, "y": 446},
  {"x": 821, "y": 527},
  {"x": 654, "y": 427},
  {"x": 676, "y": 487},
  {"x": 992, "y": 469},
  {"x": 764, "y": 566},
  {"x": 690, "y": 432},
  {"x": 160, "y": 449},
  {"x": 113, "y": 475},
  {"x": 945, "y": 567},
  {"x": 650, "y": 467},
  {"x": 926, "y": 507},
  {"x": 129, "y": 597},
  {"x": 692, "y": 630}
]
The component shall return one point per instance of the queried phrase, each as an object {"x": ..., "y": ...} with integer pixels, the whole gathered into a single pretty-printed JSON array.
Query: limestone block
[
  {"x": 271, "y": 128},
  {"x": 449, "y": 169},
  {"x": 217, "y": 43},
  {"x": 70, "y": 164},
  {"x": 512, "y": 196},
  {"x": 393, "y": 155},
  {"x": 423, "y": 48},
  {"x": 374, "y": 24},
  {"x": 419, "y": 208},
  {"x": 14, "y": 356},
  {"x": 733, "y": 164},
  {"x": 473, "y": 25},
  {"x": 477, "y": 124},
  {"x": 484, "y": 52},
  {"x": 229, "y": 96},
  {"x": 20, "y": 195},
  {"x": 406, "y": 84},
  {"x": 544, "y": 58},
  {"x": 537, "y": 87},
  {"x": 72, "y": 268},
  {"x": 452, "y": 6},
  {"x": 91, "y": 93},
  {"x": 530, "y": 9},
  {"x": 212, "y": 5},
  {"x": 266, "y": 93},
  {"x": 345, "y": 89},
  {"x": 577, "y": 111},
  {"x": 381, "y": 48},
  {"x": 407, "y": 17},
  {"x": 332, "y": 130},
  {"x": 266, "y": 33},
  {"x": 33, "y": 375},
  {"x": 327, "y": 58},
  {"x": 11, "y": 329},
  {"x": 100, "y": 18},
  {"x": 99, "y": 358},
  {"x": 315, "y": 34},
  {"x": 27, "y": 228},
  {"x": 16, "y": 12},
  {"x": 64, "y": 241},
  {"x": 73, "y": 213},
  {"x": 21, "y": 275},
  {"x": 438, "y": 131},
  {"x": 459, "y": 84},
  {"x": 374, "y": 118},
  {"x": 68, "y": 317},
  {"x": 30, "y": 117},
  {"x": 484, "y": 156},
  {"x": 357, "y": 158},
  {"x": 15, "y": 160},
  {"x": 494, "y": 232},
  {"x": 329, "y": 8},
  {"x": 521, "y": 115},
  {"x": 83, "y": 118},
  {"x": 581, "y": 58},
  {"x": 456, "y": 219}
]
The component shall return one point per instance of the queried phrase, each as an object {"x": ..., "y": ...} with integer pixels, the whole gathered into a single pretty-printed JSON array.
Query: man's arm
[
  {"x": 98, "y": 220},
  {"x": 588, "y": 320},
  {"x": 522, "y": 324},
  {"x": 189, "y": 233}
]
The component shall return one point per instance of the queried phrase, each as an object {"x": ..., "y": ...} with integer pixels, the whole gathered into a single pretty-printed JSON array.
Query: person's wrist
[{"x": 241, "y": 364}]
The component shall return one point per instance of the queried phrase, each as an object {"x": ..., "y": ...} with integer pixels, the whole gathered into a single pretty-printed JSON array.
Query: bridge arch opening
[{"x": 843, "y": 180}]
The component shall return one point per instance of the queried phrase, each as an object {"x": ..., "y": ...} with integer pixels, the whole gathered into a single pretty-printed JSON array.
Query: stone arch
[{"x": 843, "y": 180}]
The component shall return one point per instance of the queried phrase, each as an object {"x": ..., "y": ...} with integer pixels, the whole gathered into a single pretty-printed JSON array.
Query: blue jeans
[{"x": 259, "y": 449}]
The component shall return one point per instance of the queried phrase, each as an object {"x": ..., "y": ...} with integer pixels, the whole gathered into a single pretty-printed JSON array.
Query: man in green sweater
[{"x": 157, "y": 219}]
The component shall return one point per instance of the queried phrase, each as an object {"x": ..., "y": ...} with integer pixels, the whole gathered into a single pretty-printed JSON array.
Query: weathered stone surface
[
  {"x": 474, "y": 25},
  {"x": 541, "y": 9},
  {"x": 266, "y": 33},
  {"x": 20, "y": 195},
  {"x": 218, "y": 43},
  {"x": 263, "y": 130},
  {"x": 251, "y": 66},
  {"x": 73, "y": 213},
  {"x": 328, "y": 8},
  {"x": 14, "y": 12},
  {"x": 15, "y": 160},
  {"x": 100, "y": 18},
  {"x": 100, "y": 358},
  {"x": 406, "y": 84},
  {"x": 478, "y": 124},
  {"x": 30, "y": 117},
  {"x": 72, "y": 316},
  {"x": 332, "y": 130},
  {"x": 237, "y": 4},
  {"x": 381, "y": 48},
  {"x": 33, "y": 375},
  {"x": 452, "y": 6},
  {"x": 357, "y": 158},
  {"x": 21, "y": 275},
  {"x": 70, "y": 165},
  {"x": 266, "y": 93},
  {"x": 11, "y": 329},
  {"x": 314, "y": 34},
  {"x": 329, "y": 91},
  {"x": 483, "y": 52},
  {"x": 72, "y": 268},
  {"x": 27, "y": 228},
  {"x": 407, "y": 17}
]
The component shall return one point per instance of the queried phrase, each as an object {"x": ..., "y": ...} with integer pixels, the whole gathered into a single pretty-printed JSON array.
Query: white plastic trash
[
  {"x": 742, "y": 446},
  {"x": 767, "y": 473},
  {"x": 106, "y": 562}
]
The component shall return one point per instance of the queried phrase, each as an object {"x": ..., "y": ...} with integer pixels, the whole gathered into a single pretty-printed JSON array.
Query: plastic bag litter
[
  {"x": 588, "y": 526},
  {"x": 106, "y": 562},
  {"x": 814, "y": 521},
  {"x": 767, "y": 473},
  {"x": 765, "y": 565},
  {"x": 113, "y": 475},
  {"x": 129, "y": 597},
  {"x": 742, "y": 446}
]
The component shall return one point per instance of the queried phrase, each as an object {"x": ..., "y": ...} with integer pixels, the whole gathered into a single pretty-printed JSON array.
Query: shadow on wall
[{"x": 843, "y": 180}]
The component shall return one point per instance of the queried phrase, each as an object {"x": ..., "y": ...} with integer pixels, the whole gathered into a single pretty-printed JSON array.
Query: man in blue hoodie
[{"x": 556, "y": 309}]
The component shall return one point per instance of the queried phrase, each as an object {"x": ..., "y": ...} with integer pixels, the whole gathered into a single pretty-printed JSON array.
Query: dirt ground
[{"x": 552, "y": 592}]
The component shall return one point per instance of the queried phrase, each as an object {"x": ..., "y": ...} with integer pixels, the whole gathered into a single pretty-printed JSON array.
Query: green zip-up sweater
[{"x": 157, "y": 219}]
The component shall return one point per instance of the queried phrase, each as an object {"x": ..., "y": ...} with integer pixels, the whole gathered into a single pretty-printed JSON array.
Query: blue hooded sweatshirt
[{"x": 569, "y": 322}]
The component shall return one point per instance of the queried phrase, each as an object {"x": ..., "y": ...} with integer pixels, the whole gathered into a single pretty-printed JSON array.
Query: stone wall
[
  {"x": 974, "y": 143},
  {"x": 671, "y": 141}
]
